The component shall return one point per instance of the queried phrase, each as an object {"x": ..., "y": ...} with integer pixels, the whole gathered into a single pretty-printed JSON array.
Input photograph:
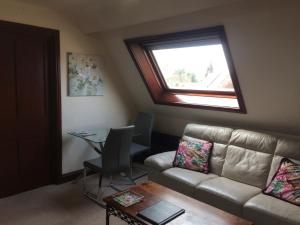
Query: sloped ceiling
[
  {"x": 263, "y": 37},
  {"x": 264, "y": 43},
  {"x": 98, "y": 15}
]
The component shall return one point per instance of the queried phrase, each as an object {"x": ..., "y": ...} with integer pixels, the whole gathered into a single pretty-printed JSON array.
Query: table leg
[
  {"x": 107, "y": 217},
  {"x": 101, "y": 146}
]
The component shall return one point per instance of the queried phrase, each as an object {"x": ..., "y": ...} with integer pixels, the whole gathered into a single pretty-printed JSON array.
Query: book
[
  {"x": 127, "y": 198},
  {"x": 160, "y": 213}
]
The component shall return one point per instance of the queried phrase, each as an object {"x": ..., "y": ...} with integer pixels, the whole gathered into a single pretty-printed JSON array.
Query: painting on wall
[{"x": 85, "y": 77}]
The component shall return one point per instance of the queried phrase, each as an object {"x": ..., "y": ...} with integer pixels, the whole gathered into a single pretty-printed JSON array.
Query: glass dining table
[{"x": 95, "y": 138}]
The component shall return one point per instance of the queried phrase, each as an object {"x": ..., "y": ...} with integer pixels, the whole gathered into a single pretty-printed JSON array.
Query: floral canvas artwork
[{"x": 85, "y": 77}]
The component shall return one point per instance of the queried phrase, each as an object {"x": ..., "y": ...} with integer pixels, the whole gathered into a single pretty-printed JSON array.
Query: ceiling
[{"x": 98, "y": 15}]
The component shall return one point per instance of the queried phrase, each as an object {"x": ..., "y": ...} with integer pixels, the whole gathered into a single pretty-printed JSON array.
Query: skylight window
[
  {"x": 191, "y": 69},
  {"x": 195, "y": 68}
]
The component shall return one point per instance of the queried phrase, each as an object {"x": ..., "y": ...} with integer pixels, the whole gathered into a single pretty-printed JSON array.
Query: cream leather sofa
[{"x": 242, "y": 164}]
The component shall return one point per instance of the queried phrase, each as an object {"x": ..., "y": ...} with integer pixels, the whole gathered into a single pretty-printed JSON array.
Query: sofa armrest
[{"x": 161, "y": 161}]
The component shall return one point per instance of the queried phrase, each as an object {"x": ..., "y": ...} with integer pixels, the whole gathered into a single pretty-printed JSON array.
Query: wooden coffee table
[{"x": 196, "y": 212}]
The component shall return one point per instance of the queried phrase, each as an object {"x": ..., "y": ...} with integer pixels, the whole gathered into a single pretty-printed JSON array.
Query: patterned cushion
[
  {"x": 193, "y": 155},
  {"x": 285, "y": 184}
]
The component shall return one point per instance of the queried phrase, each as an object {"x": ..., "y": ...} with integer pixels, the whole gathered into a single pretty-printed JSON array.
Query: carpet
[{"x": 56, "y": 205}]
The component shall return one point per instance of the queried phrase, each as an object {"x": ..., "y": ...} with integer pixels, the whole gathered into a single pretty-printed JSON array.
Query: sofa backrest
[
  {"x": 286, "y": 148},
  {"x": 219, "y": 135},
  {"x": 245, "y": 156},
  {"x": 249, "y": 157}
]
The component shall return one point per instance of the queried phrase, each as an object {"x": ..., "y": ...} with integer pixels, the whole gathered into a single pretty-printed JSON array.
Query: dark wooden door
[
  {"x": 26, "y": 111},
  {"x": 32, "y": 111},
  {"x": 8, "y": 109}
]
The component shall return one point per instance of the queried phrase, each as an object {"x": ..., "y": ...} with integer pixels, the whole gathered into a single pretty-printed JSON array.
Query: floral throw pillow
[
  {"x": 193, "y": 155},
  {"x": 285, "y": 184}
]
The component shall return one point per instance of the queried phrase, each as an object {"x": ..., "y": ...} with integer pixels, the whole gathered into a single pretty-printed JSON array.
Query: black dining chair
[
  {"x": 141, "y": 142},
  {"x": 114, "y": 159}
]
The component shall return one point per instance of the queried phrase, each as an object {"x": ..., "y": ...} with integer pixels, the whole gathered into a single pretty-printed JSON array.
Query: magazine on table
[{"x": 127, "y": 198}]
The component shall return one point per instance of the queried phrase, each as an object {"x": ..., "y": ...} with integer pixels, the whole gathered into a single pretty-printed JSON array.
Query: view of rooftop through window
[{"x": 201, "y": 67}]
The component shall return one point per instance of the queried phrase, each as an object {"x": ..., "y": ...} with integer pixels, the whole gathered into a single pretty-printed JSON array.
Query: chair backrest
[
  {"x": 116, "y": 151},
  {"x": 143, "y": 126}
]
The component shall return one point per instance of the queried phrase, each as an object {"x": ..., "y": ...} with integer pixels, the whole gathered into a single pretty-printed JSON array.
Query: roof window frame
[{"x": 141, "y": 48}]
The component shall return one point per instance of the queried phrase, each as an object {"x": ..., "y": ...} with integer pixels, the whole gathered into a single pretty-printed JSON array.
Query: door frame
[{"x": 54, "y": 87}]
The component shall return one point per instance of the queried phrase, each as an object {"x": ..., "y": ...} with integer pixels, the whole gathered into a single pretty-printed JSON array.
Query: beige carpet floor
[{"x": 55, "y": 205}]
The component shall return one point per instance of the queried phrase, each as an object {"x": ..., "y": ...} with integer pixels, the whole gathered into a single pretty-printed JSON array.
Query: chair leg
[
  {"x": 100, "y": 180},
  {"x": 110, "y": 180},
  {"x": 131, "y": 172},
  {"x": 131, "y": 169},
  {"x": 84, "y": 179},
  {"x": 112, "y": 185},
  {"x": 99, "y": 186}
]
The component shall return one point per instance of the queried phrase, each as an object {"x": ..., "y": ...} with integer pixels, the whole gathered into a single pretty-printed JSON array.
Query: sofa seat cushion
[
  {"x": 225, "y": 194},
  {"x": 183, "y": 180},
  {"x": 161, "y": 161},
  {"x": 263, "y": 210}
]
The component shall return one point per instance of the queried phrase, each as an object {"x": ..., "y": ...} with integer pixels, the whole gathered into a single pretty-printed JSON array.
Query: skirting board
[{"x": 67, "y": 177}]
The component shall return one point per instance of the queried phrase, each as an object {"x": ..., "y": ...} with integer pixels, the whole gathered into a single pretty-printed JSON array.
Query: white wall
[
  {"x": 111, "y": 110},
  {"x": 264, "y": 40}
]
